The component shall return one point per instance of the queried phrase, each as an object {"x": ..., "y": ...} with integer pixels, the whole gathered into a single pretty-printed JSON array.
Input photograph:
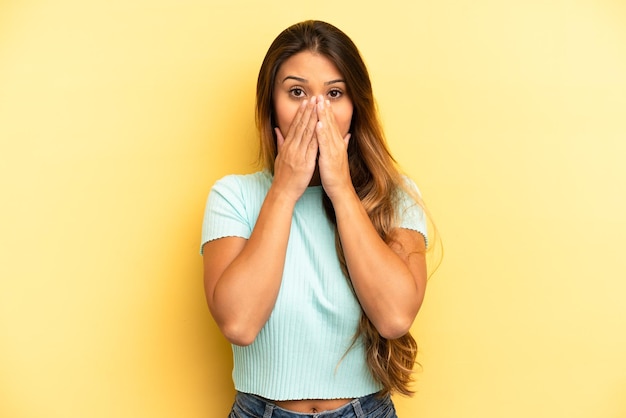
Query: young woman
[{"x": 314, "y": 267}]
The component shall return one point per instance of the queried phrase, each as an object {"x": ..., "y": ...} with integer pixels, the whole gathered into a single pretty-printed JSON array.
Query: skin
[{"x": 313, "y": 113}]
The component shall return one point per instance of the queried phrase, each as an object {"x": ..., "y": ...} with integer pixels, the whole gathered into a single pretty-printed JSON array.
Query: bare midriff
[{"x": 311, "y": 406}]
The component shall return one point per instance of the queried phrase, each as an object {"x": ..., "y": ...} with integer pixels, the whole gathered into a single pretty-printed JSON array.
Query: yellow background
[{"x": 117, "y": 116}]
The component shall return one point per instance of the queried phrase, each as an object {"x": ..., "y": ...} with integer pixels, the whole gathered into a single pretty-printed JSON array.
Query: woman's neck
[{"x": 315, "y": 180}]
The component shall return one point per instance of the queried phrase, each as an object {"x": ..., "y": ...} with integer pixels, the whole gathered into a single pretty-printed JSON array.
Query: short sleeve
[
  {"x": 225, "y": 212},
  {"x": 410, "y": 213}
]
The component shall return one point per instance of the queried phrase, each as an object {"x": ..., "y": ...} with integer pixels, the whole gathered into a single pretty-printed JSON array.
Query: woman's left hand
[{"x": 333, "y": 152}]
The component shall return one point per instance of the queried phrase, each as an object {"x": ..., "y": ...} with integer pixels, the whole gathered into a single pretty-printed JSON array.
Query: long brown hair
[{"x": 372, "y": 168}]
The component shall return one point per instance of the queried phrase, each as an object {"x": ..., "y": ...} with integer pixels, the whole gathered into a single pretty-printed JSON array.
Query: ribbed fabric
[{"x": 303, "y": 351}]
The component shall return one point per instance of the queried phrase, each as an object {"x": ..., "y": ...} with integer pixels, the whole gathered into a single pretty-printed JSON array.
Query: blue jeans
[{"x": 370, "y": 406}]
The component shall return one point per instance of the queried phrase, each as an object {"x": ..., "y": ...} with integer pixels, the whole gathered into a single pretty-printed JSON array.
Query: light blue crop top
[{"x": 302, "y": 351}]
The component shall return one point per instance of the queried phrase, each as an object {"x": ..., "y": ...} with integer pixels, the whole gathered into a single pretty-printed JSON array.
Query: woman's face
[{"x": 304, "y": 75}]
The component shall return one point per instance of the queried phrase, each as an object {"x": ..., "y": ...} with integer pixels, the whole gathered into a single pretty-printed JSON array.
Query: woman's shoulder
[
  {"x": 408, "y": 186},
  {"x": 257, "y": 180}
]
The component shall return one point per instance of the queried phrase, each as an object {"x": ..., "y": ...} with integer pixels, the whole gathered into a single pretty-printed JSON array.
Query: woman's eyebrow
[
  {"x": 304, "y": 80},
  {"x": 339, "y": 80},
  {"x": 293, "y": 77}
]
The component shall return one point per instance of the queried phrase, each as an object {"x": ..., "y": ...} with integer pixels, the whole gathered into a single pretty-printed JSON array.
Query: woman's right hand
[{"x": 297, "y": 152}]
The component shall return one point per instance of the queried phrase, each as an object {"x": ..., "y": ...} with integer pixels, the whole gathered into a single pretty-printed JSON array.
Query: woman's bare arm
[
  {"x": 242, "y": 277},
  {"x": 389, "y": 280}
]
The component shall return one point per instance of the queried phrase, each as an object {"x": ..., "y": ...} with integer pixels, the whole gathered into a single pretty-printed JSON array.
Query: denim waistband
[{"x": 369, "y": 406}]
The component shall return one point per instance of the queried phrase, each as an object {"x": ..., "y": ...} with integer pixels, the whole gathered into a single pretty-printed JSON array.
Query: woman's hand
[
  {"x": 297, "y": 152},
  {"x": 333, "y": 150}
]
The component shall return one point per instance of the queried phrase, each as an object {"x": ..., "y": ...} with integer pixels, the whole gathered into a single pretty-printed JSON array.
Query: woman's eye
[
  {"x": 335, "y": 94},
  {"x": 296, "y": 92}
]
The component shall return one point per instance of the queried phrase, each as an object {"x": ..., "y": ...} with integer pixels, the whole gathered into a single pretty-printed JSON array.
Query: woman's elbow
[
  {"x": 396, "y": 328},
  {"x": 397, "y": 324},
  {"x": 238, "y": 334}
]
